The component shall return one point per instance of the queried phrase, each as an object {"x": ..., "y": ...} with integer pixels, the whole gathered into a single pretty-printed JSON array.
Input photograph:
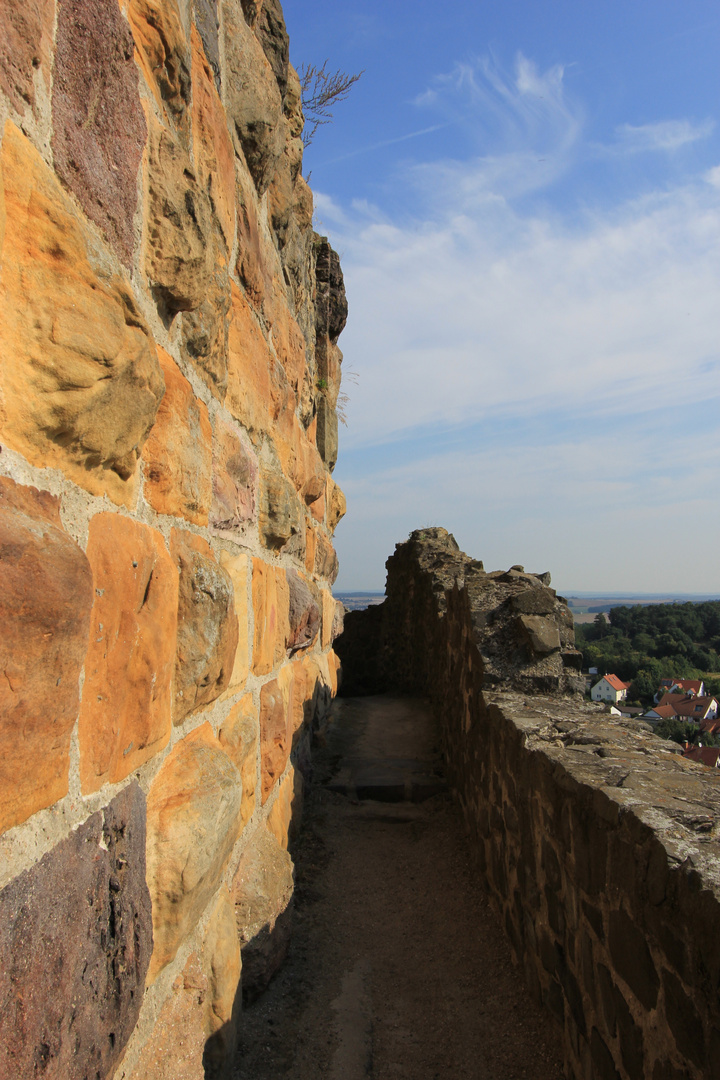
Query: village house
[
  {"x": 688, "y": 707},
  {"x": 679, "y": 686},
  {"x": 610, "y": 689}
]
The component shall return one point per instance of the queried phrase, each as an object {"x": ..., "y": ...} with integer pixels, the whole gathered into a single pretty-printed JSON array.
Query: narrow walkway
[{"x": 398, "y": 969}]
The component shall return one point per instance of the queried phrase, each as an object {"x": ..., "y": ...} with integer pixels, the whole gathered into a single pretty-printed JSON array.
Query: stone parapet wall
[
  {"x": 169, "y": 372},
  {"x": 597, "y": 840}
]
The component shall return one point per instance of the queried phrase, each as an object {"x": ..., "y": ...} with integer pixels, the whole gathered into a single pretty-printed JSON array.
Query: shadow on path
[{"x": 398, "y": 969}]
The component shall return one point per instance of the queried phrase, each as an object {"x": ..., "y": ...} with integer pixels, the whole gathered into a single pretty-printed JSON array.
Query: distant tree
[
  {"x": 643, "y": 687},
  {"x": 321, "y": 91}
]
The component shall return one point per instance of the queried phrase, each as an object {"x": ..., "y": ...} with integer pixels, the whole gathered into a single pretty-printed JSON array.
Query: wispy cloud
[
  {"x": 667, "y": 136},
  {"x": 385, "y": 142}
]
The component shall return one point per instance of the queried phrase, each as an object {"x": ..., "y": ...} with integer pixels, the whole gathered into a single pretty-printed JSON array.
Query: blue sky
[{"x": 526, "y": 199}]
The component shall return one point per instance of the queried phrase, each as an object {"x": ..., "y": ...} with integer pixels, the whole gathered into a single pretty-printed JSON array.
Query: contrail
[{"x": 385, "y": 142}]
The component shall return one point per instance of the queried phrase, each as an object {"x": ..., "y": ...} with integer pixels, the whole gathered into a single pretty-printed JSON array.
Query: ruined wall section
[
  {"x": 597, "y": 840},
  {"x": 169, "y": 372}
]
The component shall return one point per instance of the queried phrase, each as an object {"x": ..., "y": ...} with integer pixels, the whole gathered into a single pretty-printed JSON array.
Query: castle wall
[
  {"x": 169, "y": 372},
  {"x": 597, "y": 840}
]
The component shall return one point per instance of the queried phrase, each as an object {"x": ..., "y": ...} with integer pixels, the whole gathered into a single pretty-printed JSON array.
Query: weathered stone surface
[
  {"x": 279, "y": 514},
  {"x": 327, "y": 432},
  {"x": 81, "y": 381},
  {"x": 125, "y": 711},
  {"x": 179, "y": 246},
  {"x": 632, "y": 959},
  {"x": 328, "y": 617},
  {"x": 331, "y": 307},
  {"x": 163, "y": 55},
  {"x": 99, "y": 127},
  {"x": 326, "y": 560},
  {"x": 238, "y": 569},
  {"x": 75, "y": 943},
  {"x": 276, "y": 714},
  {"x": 205, "y": 329},
  {"x": 252, "y": 262},
  {"x": 286, "y": 812},
  {"x": 26, "y": 31},
  {"x": 234, "y": 480},
  {"x": 195, "y": 1035},
  {"x": 193, "y": 823},
  {"x": 239, "y": 739},
  {"x": 336, "y": 506},
  {"x": 262, "y": 892},
  {"x": 45, "y": 602},
  {"x": 177, "y": 458},
  {"x": 304, "y": 614},
  {"x": 270, "y": 600},
  {"x": 206, "y": 20},
  {"x": 212, "y": 144},
  {"x": 258, "y": 393},
  {"x": 207, "y": 628},
  {"x": 272, "y": 35},
  {"x": 222, "y": 964},
  {"x": 541, "y": 634},
  {"x": 253, "y": 97}
]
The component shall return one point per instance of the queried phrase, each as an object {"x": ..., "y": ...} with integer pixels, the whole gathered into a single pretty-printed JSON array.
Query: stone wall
[
  {"x": 169, "y": 372},
  {"x": 597, "y": 840}
]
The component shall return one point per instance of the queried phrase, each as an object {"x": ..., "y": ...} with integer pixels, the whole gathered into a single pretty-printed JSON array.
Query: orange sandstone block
[
  {"x": 238, "y": 737},
  {"x": 207, "y": 627},
  {"x": 80, "y": 377},
  {"x": 271, "y": 604},
  {"x": 275, "y": 729},
  {"x": 237, "y": 567},
  {"x": 328, "y": 614},
  {"x": 285, "y": 814},
  {"x": 45, "y": 604},
  {"x": 177, "y": 459},
  {"x": 26, "y": 33},
  {"x": 125, "y": 711},
  {"x": 162, "y": 54},
  {"x": 234, "y": 481},
  {"x": 333, "y": 661},
  {"x": 193, "y": 821},
  {"x": 310, "y": 549},
  {"x": 214, "y": 154}
]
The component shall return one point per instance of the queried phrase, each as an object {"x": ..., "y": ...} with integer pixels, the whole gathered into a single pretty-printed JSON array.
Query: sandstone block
[
  {"x": 258, "y": 393},
  {"x": 279, "y": 513},
  {"x": 327, "y": 432},
  {"x": 205, "y": 329},
  {"x": 175, "y": 1048},
  {"x": 254, "y": 102},
  {"x": 271, "y": 600},
  {"x": 334, "y": 667},
  {"x": 541, "y": 634},
  {"x": 81, "y": 380},
  {"x": 75, "y": 943},
  {"x": 222, "y": 965},
  {"x": 193, "y": 822},
  {"x": 286, "y": 812},
  {"x": 326, "y": 561},
  {"x": 310, "y": 549},
  {"x": 45, "y": 603},
  {"x": 252, "y": 260},
  {"x": 328, "y": 617},
  {"x": 206, "y": 20},
  {"x": 276, "y": 715},
  {"x": 26, "y": 32},
  {"x": 304, "y": 614},
  {"x": 262, "y": 892},
  {"x": 238, "y": 567},
  {"x": 207, "y": 627},
  {"x": 239, "y": 739},
  {"x": 336, "y": 505},
  {"x": 234, "y": 481},
  {"x": 212, "y": 144},
  {"x": 177, "y": 457},
  {"x": 99, "y": 127},
  {"x": 125, "y": 711},
  {"x": 179, "y": 246},
  {"x": 163, "y": 55}
]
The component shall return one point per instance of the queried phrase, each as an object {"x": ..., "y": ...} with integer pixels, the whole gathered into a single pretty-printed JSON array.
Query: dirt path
[{"x": 398, "y": 969}]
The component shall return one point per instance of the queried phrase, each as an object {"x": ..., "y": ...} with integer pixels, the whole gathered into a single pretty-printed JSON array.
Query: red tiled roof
[
  {"x": 666, "y": 712},
  {"x": 617, "y": 684},
  {"x": 705, "y": 755}
]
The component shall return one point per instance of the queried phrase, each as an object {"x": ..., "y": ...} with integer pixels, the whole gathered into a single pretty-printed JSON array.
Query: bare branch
[{"x": 321, "y": 91}]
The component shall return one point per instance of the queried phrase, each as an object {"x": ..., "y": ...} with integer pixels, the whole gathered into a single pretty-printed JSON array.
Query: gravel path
[{"x": 398, "y": 968}]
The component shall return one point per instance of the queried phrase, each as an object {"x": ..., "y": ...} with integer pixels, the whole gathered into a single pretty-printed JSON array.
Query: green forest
[{"x": 644, "y": 644}]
